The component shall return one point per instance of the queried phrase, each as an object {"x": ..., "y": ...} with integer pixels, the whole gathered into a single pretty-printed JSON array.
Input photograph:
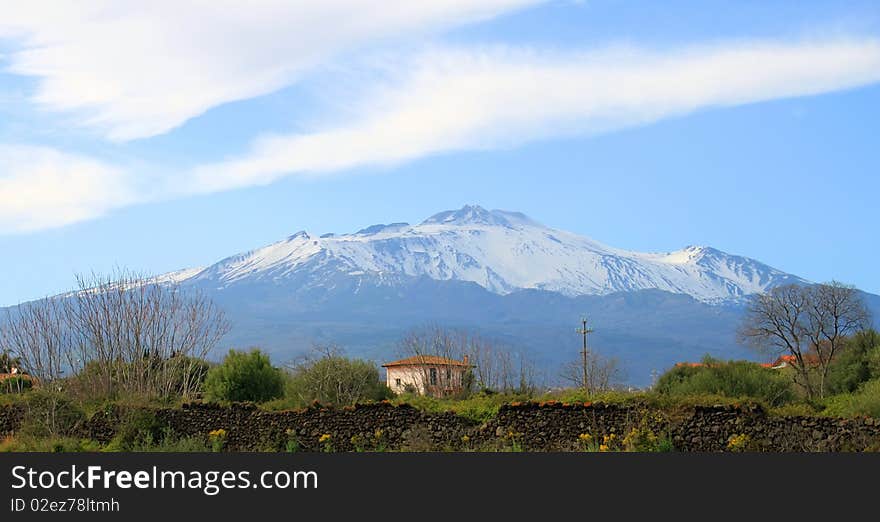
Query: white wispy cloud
[
  {"x": 41, "y": 187},
  {"x": 134, "y": 69},
  {"x": 456, "y": 99},
  {"x": 449, "y": 99}
]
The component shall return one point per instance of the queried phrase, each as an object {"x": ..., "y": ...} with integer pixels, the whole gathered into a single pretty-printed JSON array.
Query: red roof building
[{"x": 427, "y": 375}]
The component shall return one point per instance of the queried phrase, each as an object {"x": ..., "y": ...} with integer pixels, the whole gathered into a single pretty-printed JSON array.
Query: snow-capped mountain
[
  {"x": 499, "y": 250},
  {"x": 498, "y": 274}
]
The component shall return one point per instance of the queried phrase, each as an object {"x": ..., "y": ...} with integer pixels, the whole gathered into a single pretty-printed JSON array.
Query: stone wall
[
  {"x": 364, "y": 426},
  {"x": 556, "y": 427},
  {"x": 529, "y": 426}
]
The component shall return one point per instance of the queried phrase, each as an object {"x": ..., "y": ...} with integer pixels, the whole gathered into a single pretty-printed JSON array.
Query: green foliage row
[
  {"x": 865, "y": 401},
  {"x": 734, "y": 379},
  {"x": 858, "y": 363},
  {"x": 244, "y": 376},
  {"x": 15, "y": 385},
  {"x": 335, "y": 379},
  {"x": 480, "y": 406}
]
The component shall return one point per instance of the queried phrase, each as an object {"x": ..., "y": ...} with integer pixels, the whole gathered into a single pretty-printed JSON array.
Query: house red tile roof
[
  {"x": 4, "y": 376},
  {"x": 701, "y": 365},
  {"x": 810, "y": 359},
  {"x": 420, "y": 360}
]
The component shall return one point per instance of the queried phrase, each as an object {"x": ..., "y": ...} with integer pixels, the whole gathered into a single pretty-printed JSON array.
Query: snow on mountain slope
[{"x": 501, "y": 251}]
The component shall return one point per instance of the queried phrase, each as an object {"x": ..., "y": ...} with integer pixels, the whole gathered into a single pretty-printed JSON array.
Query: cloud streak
[
  {"x": 133, "y": 69},
  {"x": 41, "y": 188},
  {"x": 459, "y": 99},
  {"x": 453, "y": 99}
]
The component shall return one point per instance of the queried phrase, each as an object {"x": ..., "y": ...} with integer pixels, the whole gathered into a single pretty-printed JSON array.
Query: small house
[{"x": 427, "y": 375}]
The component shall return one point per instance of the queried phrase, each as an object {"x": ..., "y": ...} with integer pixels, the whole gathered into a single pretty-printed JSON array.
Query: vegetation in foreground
[
  {"x": 122, "y": 348},
  {"x": 52, "y": 417}
]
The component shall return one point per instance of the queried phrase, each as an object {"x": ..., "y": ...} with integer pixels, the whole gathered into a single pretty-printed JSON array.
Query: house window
[
  {"x": 448, "y": 375},
  {"x": 433, "y": 378},
  {"x": 397, "y": 382}
]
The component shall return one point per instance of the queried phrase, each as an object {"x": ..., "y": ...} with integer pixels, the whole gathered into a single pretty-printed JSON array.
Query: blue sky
[{"x": 170, "y": 136}]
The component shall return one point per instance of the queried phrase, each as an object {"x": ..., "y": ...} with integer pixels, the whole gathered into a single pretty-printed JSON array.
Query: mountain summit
[{"x": 501, "y": 251}]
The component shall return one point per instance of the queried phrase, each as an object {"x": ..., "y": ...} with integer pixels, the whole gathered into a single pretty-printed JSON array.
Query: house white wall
[
  {"x": 400, "y": 376},
  {"x": 397, "y": 378}
]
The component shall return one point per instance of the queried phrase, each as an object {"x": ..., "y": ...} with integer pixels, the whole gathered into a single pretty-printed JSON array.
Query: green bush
[
  {"x": 735, "y": 379},
  {"x": 169, "y": 443},
  {"x": 50, "y": 414},
  {"x": 165, "y": 379},
  {"x": 480, "y": 406},
  {"x": 336, "y": 380},
  {"x": 244, "y": 376},
  {"x": 16, "y": 385},
  {"x": 863, "y": 402},
  {"x": 138, "y": 427},
  {"x": 797, "y": 409},
  {"x": 858, "y": 362}
]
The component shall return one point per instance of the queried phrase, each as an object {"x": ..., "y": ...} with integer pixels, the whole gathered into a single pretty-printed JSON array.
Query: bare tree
[
  {"x": 593, "y": 372},
  {"x": 435, "y": 348},
  {"x": 35, "y": 335},
  {"x": 835, "y": 312},
  {"x": 130, "y": 333},
  {"x": 143, "y": 336},
  {"x": 494, "y": 366},
  {"x": 809, "y": 323}
]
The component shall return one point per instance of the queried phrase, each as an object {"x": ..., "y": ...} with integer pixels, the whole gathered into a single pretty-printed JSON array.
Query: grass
[
  {"x": 483, "y": 407},
  {"x": 142, "y": 432},
  {"x": 27, "y": 443},
  {"x": 863, "y": 402},
  {"x": 21, "y": 444},
  {"x": 480, "y": 407}
]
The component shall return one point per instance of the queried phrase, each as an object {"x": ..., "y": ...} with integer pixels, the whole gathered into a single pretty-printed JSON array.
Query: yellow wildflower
[
  {"x": 324, "y": 438},
  {"x": 738, "y": 442}
]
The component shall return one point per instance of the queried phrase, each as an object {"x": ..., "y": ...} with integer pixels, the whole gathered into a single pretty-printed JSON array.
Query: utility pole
[{"x": 584, "y": 331}]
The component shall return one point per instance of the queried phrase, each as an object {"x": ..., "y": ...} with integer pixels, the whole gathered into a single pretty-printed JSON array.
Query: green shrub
[
  {"x": 335, "y": 379},
  {"x": 50, "y": 414},
  {"x": 857, "y": 363},
  {"x": 797, "y": 409},
  {"x": 863, "y": 402},
  {"x": 164, "y": 379},
  {"x": 138, "y": 428},
  {"x": 480, "y": 406},
  {"x": 244, "y": 376},
  {"x": 735, "y": 379},
  {"x": 623, "y": 398},
  {"x": 167, "y": 442},
  {"x": 185, "y": 374},
  {"x": 172, "y": 444},
  {"x": 16, "y": 385}
]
